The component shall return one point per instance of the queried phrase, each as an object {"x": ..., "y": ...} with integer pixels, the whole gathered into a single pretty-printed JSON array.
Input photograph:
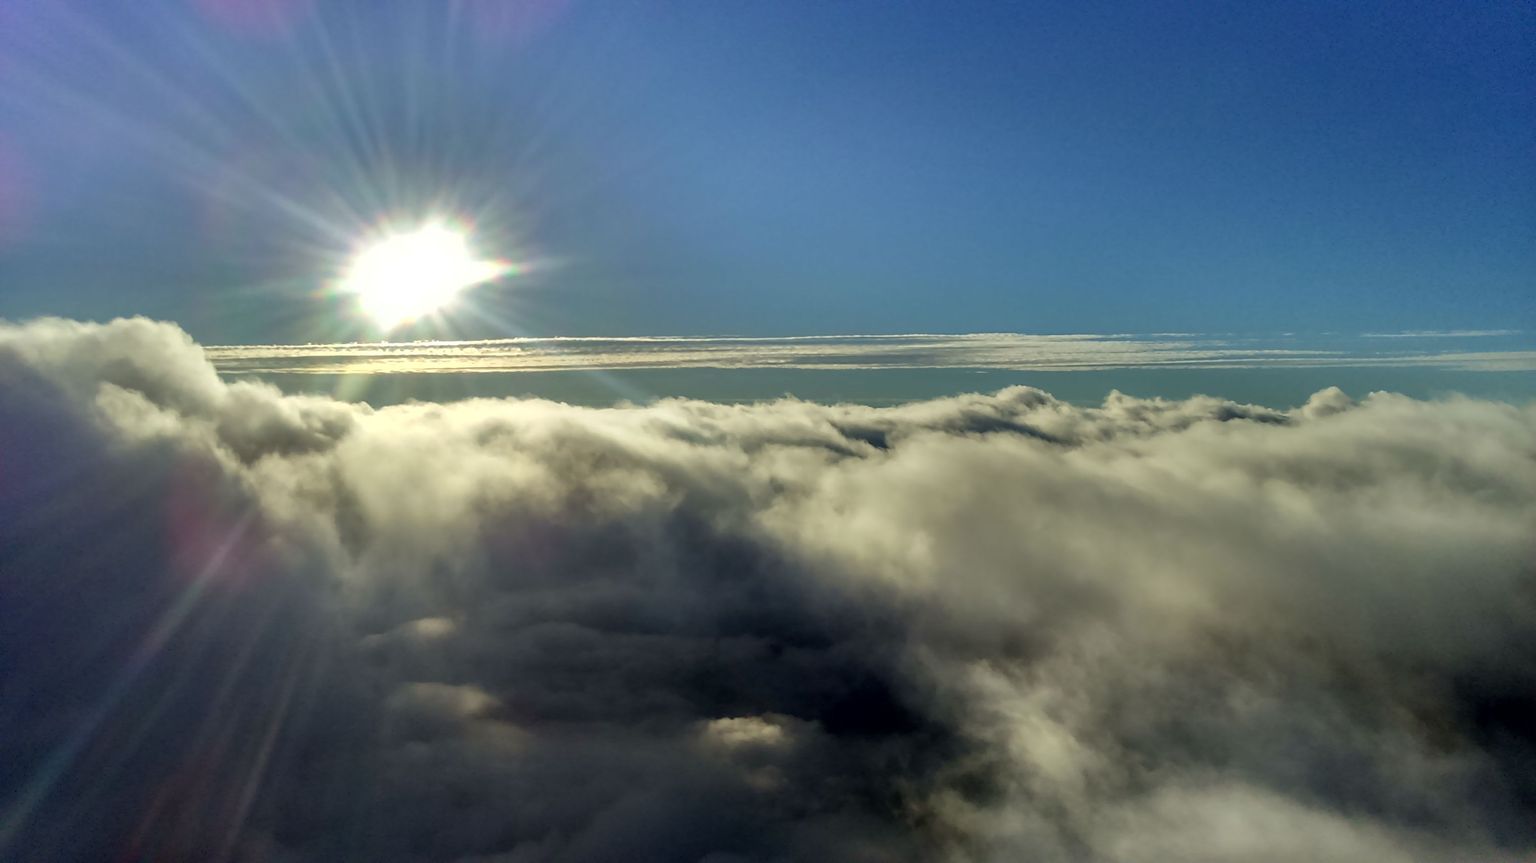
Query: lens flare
[{"x": 406, "y": 276}]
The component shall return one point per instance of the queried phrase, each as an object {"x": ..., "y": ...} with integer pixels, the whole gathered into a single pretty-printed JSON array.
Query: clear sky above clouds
[{"x": 774, "y": 168}]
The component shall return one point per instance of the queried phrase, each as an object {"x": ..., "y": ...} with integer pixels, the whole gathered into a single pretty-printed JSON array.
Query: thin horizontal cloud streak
[
  {"x": 1442, "y": 334},
  {"x": 1004, "y": 351},
  {"x": 255, "y": 626}
]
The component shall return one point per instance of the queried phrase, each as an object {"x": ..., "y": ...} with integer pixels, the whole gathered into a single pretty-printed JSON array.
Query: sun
[{"x": 406, "y": 276}]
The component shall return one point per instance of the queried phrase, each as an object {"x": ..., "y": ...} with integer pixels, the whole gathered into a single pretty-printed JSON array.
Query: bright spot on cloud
[
  {"x": 738, "y": 731},
  {"x": 405, "y": 276}
]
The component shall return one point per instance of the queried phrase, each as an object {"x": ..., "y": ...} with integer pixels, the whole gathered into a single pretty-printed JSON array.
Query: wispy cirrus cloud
[
  {"x": 1007, "y": 351},
  {"x": 1442, "y": 334}
]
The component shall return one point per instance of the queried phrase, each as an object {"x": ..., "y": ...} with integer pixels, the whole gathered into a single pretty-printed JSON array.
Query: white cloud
[
  {"x": 988, "y": 627},
  {"x": 1443, "y": 334},
  {"x": 1007, "y": 351}
]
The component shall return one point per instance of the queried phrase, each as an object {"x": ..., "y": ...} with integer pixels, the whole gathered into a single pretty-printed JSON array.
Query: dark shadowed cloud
[{"x": 242, "y": 625}]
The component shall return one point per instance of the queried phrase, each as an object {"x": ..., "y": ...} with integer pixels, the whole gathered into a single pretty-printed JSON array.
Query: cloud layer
[
  {"x": 248, "y": 626},
  {"x": 1008, "y": 351}
]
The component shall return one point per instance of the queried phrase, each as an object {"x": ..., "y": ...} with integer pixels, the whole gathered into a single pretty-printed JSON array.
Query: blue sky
[{"x": 778, "y": 168}]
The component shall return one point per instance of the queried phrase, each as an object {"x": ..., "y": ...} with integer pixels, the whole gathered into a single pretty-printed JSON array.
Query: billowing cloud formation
[{"x": 247, "y": 626}]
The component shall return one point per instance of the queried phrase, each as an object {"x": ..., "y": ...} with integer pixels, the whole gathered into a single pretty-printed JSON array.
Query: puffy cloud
[{"x": 242, "y": 625}]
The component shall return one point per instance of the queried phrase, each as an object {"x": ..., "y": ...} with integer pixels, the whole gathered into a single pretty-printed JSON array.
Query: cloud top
[{"x": 249, "y": 626}]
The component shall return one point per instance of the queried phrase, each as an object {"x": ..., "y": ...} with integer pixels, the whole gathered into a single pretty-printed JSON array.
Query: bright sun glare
[{"x": 405, "y": 276}]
